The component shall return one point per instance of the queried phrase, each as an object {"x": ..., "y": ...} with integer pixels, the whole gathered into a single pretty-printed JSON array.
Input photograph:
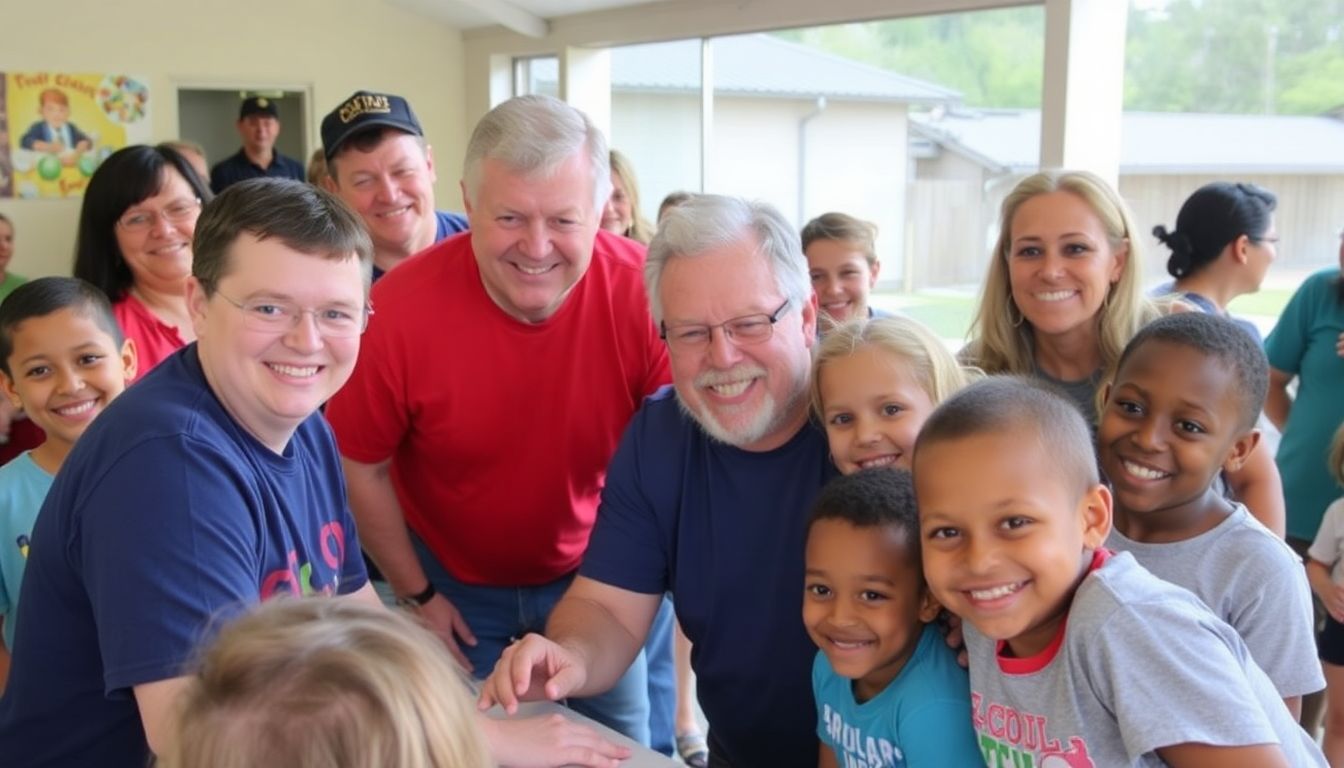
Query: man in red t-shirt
[{"x": 492, "y": 388}]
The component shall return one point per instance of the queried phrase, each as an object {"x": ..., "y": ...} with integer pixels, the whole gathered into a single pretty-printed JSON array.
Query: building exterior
[{"x": 963, "y": 155}]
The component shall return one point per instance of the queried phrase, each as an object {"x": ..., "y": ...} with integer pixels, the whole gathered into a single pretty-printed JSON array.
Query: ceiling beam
[{"x": 508, "y": 15}]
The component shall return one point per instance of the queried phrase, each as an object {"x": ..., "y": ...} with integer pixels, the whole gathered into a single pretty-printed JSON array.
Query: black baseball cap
[
  {"x": 363, "y": 110},
  {"x": 258, "y": 105}
]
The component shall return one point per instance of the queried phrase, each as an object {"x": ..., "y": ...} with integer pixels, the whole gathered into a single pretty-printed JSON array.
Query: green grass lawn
[
  {"x": 949, "y": 315},
  {"x": 1268, "y": 302}
]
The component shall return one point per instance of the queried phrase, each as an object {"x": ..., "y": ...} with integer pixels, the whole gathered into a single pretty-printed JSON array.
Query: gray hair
[
  {"x": 534, "y": 134},
  {"x": 712, "y": 221}
]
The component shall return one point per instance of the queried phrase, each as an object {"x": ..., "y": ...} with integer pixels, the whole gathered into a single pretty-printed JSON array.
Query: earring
[{"x": 1013, "y": 310}]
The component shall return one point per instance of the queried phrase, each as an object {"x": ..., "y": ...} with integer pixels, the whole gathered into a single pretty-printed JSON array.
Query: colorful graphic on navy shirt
[{"x": 297, "y": 578}]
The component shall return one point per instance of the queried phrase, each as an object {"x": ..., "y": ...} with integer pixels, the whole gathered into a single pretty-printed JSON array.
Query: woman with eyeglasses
[
  {"x": 1221, "y": 248},
  {"x": 134, "y": 243}
]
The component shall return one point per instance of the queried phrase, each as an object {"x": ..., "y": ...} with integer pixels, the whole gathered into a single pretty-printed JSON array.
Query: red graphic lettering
[
  {"x": 1075, "y": 757},
  {"x": 333, "y": 544}
]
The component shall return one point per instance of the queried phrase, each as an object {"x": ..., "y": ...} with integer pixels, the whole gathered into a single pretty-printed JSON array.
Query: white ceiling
[{"x": 528, "y": 17}]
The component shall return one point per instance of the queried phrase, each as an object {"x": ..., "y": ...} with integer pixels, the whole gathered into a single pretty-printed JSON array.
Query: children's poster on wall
[{"x": 56, "y": 127}]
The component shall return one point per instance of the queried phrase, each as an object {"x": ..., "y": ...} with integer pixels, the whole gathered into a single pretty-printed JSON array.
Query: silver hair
[
  {"x": 534, "y": 134},
  {"x": 711, "y": 221}
]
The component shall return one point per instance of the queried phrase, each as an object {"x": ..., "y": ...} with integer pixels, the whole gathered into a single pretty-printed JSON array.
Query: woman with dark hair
[
  {"x": 134, "y": 243},
  {"x": 1221, "y": 248}
]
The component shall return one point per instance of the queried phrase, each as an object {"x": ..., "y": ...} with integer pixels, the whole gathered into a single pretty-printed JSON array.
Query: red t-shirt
[
  {"x": 154, "y": 339},
  {"x": 500, "y": 431}
]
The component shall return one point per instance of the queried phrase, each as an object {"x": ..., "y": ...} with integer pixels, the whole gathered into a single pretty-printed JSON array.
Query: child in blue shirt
[
  {"x": 63, "y": 360},
  {"x": 888, "y": 689}
]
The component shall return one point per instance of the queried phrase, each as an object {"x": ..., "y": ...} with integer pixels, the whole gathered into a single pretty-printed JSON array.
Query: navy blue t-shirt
[
  {"x": 723, "y": 529},
  {"x": 237, "y": 167},
  {"x": 166, "y": 519},
  {"x": 446, "y": 225}
]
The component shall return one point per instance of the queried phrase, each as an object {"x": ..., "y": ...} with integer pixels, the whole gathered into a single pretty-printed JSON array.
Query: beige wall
[{"x": 329, "y": 48}]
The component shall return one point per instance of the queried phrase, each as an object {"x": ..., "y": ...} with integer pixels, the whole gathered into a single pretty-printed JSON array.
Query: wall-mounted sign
[{"x": 56, "y": 127}]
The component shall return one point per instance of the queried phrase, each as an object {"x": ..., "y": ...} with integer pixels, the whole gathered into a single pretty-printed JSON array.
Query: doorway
[{"x": 208, "y": 116}]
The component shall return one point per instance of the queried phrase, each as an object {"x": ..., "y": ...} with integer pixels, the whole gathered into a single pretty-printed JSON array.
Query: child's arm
[
  {"x": 1209, "y": 756},
  {"x": 1257, "y": 485},
  {"x": 157, "y": 702},
  {"x": 826, "y": 758},
  {"x": 550, "y": 740},
  {"x": 1330, "y": 593}
]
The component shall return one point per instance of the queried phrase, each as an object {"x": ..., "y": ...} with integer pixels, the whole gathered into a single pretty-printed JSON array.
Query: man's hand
[
  {"x": 443, "y": 618},
  {"x": 553, "y": 740},
  {"x": 530, "y": 669}
]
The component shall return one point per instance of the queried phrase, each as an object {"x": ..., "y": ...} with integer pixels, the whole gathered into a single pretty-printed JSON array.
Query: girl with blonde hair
[
  {"x": 874, "y": 382},
  {"x": 1325, "y": 571},
  {"x": 329, "y": 683}
]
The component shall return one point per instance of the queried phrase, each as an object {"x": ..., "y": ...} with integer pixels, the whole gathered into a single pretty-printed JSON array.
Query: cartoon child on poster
[
  {"x": 54, "y": 133},
  {"x": 81, "y": 119}
]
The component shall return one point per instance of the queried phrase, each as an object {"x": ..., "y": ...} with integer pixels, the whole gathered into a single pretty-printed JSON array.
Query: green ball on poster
[
  {"x": 49, "y": 167},
  {"x": 88, "y": 162}
]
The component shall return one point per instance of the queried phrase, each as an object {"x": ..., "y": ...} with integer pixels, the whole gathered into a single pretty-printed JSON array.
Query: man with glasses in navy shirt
[{"x": 707, "y": 496}]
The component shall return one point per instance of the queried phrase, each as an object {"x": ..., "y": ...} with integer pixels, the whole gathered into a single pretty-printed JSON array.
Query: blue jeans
[
  {"x": 498, "y": 615},
  {"x": 662, "y": 680}
]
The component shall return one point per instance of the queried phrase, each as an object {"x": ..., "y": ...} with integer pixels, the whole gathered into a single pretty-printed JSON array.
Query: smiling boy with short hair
[{"x": 1076, "y": 654}]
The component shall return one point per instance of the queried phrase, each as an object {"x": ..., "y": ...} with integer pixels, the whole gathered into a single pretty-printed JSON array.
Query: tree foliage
[{"x": 1235, "y": 56}]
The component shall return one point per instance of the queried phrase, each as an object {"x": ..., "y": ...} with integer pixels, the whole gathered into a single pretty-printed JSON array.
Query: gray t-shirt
[
  {"x": 1328, "y": 548},
  {"x": 1082, "y": 393},
  {"x": 1142, "y": 664},
  {"x": 1251, "y": 579}
]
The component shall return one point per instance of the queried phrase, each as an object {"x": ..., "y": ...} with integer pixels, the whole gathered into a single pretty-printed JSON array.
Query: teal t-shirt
[
  {"x": 922, "y": 718},
  {"x": 23, "y": 487},
  {"x": 1303, "y": 343}
]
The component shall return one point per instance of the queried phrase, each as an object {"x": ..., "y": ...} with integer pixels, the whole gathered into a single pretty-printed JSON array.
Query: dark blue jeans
[{"x": 498, "y": 615}]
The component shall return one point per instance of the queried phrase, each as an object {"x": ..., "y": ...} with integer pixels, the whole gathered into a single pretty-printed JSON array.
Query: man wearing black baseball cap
[
  {"x": 259, "y": 126},
  {"x": 379, "y": 164}
]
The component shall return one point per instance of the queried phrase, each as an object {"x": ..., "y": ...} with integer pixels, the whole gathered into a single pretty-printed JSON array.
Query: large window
[
  {"x": 536, "y": 74},
  {"x": 1246, "y": 92},
  {"x": 655, "y": 117},
  {"x": 897, "y": 122}
]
